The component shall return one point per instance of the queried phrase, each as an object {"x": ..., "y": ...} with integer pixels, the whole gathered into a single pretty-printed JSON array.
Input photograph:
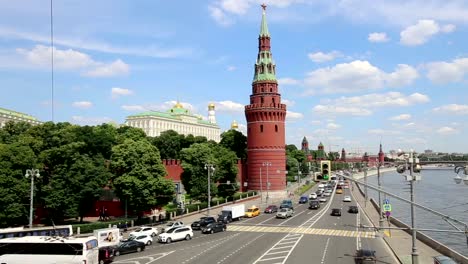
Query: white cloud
[
  {"x": 444, "y": 72},
  {"x": 288, "y": 81},
  {"x": 400, "y": 117},
  {"x": 340, "y": 110},
  {"x": 316, "y": 122},
  {"x": 73, "y": 60},
  {"x": 117, "y": 92},
  {"x": 447, "y": 130},
  {"x": 452, "y": 109},
  {"x": 116, "y": 68},
  {"x": 82, "y": 120},
  {"x": 229, "y": 107},
  {"x": 82, "y": 104},
  {"x": 420, "y": 33},
  {"x": 378, "y": 37},
  {"x": 220, "y": 16},
  {"x": 323, "y": 57},
  {"x": 333, "y": 126},
  {"x": 133, "y": 108},
  {"x": 379, "y": 131},
  {"x": 293, "y": 116},
  {"x": 357, "y": 76},
  {"x": 231, "y": 68},
  {"x": 288, "y": 102}
]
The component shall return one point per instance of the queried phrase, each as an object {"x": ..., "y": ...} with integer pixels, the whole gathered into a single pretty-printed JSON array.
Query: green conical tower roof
[{"x": 264, "y": 27}]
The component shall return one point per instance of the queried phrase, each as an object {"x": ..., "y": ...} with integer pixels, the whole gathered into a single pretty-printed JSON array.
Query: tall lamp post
[
  {"x": 31, "y": 173},
  {"x": 381, "y": 220},
  {"x": 210, "y": 168},
  {"x": 267, "y": 164}
]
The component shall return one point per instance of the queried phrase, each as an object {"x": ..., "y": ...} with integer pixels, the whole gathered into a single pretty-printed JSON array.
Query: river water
[{"x": 436, "y": 190}]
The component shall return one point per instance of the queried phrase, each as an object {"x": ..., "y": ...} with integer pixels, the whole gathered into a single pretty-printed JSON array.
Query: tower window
[
  {"x": 273, "y": 100},
  {"x": 261, "y": 128},
  {"x": 276, "y": 128},
  {"x": 262, "y": 99}
]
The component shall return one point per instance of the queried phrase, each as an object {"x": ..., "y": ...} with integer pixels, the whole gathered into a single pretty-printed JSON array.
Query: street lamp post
[
  {"x": 261, "y": 186},
  {"x": 31, "y": 173},
  {"x": 267, "y": 164},
  {"x": 381, "y": 220},
  {"x": 210, "y": 168}
]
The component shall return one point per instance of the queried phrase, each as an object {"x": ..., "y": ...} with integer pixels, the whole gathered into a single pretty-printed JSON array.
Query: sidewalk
[{"x": 398, "y": 240}]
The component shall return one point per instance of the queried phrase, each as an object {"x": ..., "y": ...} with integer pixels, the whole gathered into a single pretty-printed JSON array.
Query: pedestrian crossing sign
[{"x": 387, "y": 207}]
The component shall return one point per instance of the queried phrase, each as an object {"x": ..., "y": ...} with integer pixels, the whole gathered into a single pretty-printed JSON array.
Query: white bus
[
  {"x": 61, "y": 230},
  {"x": 49, "y": 250}
]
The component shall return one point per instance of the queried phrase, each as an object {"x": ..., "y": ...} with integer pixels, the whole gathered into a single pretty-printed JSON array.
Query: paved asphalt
[{"x": 310, "y": 236}]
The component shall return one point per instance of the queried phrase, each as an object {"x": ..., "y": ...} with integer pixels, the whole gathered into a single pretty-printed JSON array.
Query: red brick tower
[
  {"x": 265, "y": 123},
  {"x": 381, "y": 155}
]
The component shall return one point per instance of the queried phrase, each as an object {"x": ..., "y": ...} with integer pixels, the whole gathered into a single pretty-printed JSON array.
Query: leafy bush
[
  {"x": 305, "y": 188},
  {"x": 90, "y": 227}
]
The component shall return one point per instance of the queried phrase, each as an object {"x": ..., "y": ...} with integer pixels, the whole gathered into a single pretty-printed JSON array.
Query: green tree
[
  {"x": 169, "y": 144},
  {"x": 12, "y": 130},
  {"x": 235, "y": 141},
  {"x": 226, "y": 165},
  {"x": 139, "y": 175}
]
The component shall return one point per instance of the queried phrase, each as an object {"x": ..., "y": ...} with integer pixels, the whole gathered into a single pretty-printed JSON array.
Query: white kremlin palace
[
  {"x": 10, "y": 115},
  {"x": 178, "y": 119}
]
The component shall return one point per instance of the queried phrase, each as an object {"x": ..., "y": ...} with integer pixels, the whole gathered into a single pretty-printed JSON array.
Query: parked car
[
  {"x": 314, "y": 204},
  {"x": 128, "y": 247},
  {"x": 347, "y": 199},
  {"x": 204, "y": 221},
  {"x": 443, "y": 260},
  {"x": 353, "y": 209},
  {"x": 106, "y": 255},
  {"x": 148, "y": 240},
  {"x": 252, "y": 211},
  {"x": 336, "y": 212},
  {"x": 365, "y": 256},
  {"x": 145, "y": 230},
  {"x": 171, "y": 225},
  {"x": 314, "y": 195},
  {"x": 303, "y": 199},
  {"x": 271, "y": 209},
  {"x": 214, "y": 227},
  {"x": 284, "y": 213},
  {"x": 176, "y": 233}
]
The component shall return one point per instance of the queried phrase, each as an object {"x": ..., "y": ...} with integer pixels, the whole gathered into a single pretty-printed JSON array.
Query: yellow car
[
  {"x": 339, "y": 191},
  {"x": 252, "y": 212}
]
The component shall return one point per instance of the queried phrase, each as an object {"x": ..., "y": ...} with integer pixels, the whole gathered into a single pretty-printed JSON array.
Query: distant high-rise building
[
  {"x": 10, "y": 115},
  {"x": 178, "y": 119}
]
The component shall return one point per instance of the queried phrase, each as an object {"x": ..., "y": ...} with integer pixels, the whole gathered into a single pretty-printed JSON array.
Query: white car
[
  {"x": 284, "y": 213},
  {"x": 347, "y": 199},
  {"x": 171, "y": 225},
  {"x": 176, "y": 233},
  {"x": 144, "y": 230},
  {"x": 323, "y": 200},
  {"x": 148, "y": 240},
  {"x": 312, "y": 196},
  {"x": 326, "y": 194}
]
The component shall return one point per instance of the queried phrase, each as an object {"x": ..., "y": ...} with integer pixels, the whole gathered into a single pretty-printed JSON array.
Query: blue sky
[{"x": 352, "y": 73}]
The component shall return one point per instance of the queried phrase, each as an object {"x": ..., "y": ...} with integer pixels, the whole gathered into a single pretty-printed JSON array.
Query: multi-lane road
[{"x": 310, "y": 236}]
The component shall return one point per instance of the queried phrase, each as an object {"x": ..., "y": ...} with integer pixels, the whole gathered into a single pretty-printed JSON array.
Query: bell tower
[{"x": 266, "y": 147}]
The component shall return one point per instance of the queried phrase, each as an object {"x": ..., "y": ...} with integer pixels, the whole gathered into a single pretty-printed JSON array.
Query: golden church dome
[{"x": 234, "y": 125}]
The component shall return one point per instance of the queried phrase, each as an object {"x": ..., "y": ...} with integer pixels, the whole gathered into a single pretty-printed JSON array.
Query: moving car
[
  {"x": 252, "y": 211},
  {"x": 129, "y": 246},
  {"x": 271, "y": 209},
  {"x": 353, "y": 209},
  {"x": 323, "y": 199},
  {"x": 106, "y": 255},
  {"x": 284, "y": 213},
  {"x": 336, "y": 212},
  {"x": 347, "y": 199},
  {"x": 171, "y": 225},
  {"x": 314, "y": 195},
  {"x": 303, "y": 199},
  {"x": 365, "y": 256},
  {"x": 176, "y": 233},
  {"x": 204, "y": 221},
  {"x": 286, "y": 204},
  {"x": 314, "y": 204},
  {"x": 148, "y": 240},
  {"x": 214, "y": 227},
  {"x": 145, "y": 230},
  {"x": 339, "y": 191}
]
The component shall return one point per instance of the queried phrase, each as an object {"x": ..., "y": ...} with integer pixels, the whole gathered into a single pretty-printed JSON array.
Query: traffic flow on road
[{"x": 288, "y": 232}]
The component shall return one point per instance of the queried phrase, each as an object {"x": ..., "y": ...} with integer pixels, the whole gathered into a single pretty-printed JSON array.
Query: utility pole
[
  {"x": 267, "y": 164},
  {"x": 414, "y": 252},
  {"x": 261, "y": 186},
  {"x": 381, "y": 220},
  {"x": 210, "y": 168}
]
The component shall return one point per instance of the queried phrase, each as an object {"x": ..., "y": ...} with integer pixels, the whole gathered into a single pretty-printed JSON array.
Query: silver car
[{"x": 284, "y": 213}]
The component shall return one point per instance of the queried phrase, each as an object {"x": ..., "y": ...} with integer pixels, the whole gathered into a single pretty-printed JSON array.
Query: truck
[
  {"x": 231, "y": 213},
  {"x": 108, "y": 236}
]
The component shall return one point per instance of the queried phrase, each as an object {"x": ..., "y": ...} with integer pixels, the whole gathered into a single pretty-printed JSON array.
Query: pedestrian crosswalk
[{"x": 301, "y": 230}]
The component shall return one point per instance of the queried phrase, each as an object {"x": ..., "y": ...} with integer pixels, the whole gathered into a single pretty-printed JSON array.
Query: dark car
[
  {"x": 319, "y": 192},
  {"x": 106, "y": 255},
  {"x": 286, "y": 204},
  {"x": 303, "y": 199},
  {"x": 336, "y": 212},
  {"x": 365, "y": 256},
  {"x": 314, "y": 204},
  {"x": 129, "y": 246},
  {"x": 353, "y": 209},
  {"x": 214, "y": 228},
  {"x": 271, "y": 209},
  {"x": 204, "y": 221}
]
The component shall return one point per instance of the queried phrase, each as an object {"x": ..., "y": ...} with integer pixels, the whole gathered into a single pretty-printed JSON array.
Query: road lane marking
[
  {"x": 208, "y": 249},
  {"x": 150, "y": 258},
  {"x": 325, "y": 251},
  {"x": 267, "y": 256},
  {"x": 237, "y": 250}
]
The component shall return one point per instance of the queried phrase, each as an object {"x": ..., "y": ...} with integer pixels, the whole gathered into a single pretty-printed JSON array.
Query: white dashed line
[
  {"x": 237, "y": 250},
  {"x": 325, "y": 251}
]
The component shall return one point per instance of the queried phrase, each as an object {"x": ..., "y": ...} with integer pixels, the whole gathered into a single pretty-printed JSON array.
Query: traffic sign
[
  {"x": 386, "y": 201},
  {"x": 387, "y": 207}
]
